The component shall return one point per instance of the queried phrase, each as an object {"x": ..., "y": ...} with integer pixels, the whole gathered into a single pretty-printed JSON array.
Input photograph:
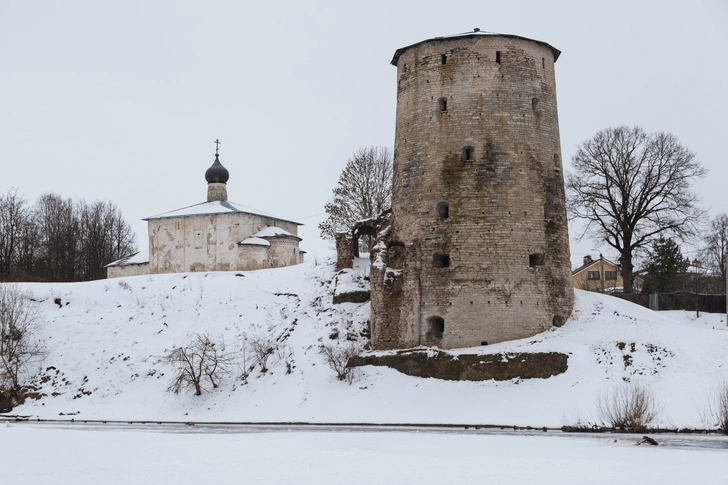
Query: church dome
[{"x": 217, "y": 173}]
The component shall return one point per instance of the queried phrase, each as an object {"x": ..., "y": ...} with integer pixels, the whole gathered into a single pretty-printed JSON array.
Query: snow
[
  {"x": 81, "y": 456},
  {"x": 213, "y": 207},
  {"x": 350, "y": 280},
  {"x": 141, "y": 257},
  {"x": 255, "y": 241},
  {"x": 106, "y": 339},
  {"x": 272, "y": 231}
]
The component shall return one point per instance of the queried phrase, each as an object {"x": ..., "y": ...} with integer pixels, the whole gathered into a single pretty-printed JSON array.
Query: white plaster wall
[
  {"x": 252, "y": 257},
  {"x": 128, "y": 270}
]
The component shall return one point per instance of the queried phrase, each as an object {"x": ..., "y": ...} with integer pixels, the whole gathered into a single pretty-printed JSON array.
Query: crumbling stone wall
[
  {"x": 344, "y": 250},
  {"x": 477, "y": 249}
]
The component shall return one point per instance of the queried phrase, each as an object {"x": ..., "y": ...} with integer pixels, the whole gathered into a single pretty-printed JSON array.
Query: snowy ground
[
  {"x": 106, "y": 339},
  {"x": 33, "y": 454}
]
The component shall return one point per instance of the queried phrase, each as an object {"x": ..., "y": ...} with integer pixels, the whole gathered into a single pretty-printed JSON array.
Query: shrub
[
  {"x": 20, "y": 321},
  {"x": 718, "y": 408},
  {"x": 630, "y": 407},
  {"x": 261, "y": 346},
  {"x": 337, "y": 357},
  {"x": 201, "y": 357}
]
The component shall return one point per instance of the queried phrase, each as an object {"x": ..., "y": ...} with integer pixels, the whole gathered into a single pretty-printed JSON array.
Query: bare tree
[
  {"x": 19, "y": 345},
  {"x": 717, "y": 244},
  {"x": 364, "y": 190},
  {"x": 631, "y": 187},
  {"x": 14, "y": 216},
  {"x": 201, "y": 357},
  {"x": 60, "y": 239}
]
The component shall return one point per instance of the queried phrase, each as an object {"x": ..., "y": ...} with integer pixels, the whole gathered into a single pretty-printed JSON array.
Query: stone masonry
[{"x": 476, "y": 250}]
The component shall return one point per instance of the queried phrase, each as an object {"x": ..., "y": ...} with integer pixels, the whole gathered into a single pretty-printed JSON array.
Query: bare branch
[{"x": 631, "y": 187}]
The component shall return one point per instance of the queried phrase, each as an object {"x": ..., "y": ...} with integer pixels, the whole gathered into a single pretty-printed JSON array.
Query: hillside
[{"x": 106, "y": 339}]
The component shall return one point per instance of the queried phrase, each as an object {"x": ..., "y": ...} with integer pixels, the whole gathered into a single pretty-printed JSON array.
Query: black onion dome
[{"x": 217, "y": 173}]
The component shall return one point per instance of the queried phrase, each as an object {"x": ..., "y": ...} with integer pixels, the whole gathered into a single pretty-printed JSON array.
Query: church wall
[
  {"x": 251, "y": 257},
  {"x": 283, "y": 252},
  {"x": 204, "y": 242},
  {"x": 128, "y": 270}
]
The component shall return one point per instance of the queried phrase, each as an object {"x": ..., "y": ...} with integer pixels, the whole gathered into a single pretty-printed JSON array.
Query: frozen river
[{"x": 57, "y": 453}]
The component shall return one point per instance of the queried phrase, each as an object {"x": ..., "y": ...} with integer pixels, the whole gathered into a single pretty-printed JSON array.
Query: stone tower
[{"x": 477, "y": 249}]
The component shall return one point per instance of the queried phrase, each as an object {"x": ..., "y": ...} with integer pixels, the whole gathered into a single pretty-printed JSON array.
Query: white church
[{"x": 217, "y": 235}]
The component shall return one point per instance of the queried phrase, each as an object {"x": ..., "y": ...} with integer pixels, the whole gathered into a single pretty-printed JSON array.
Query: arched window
[
  {"x": 443, "y": 210},
  {"x": 442, "y": 104},
  {"x": 435, "y": 327},
  {"x": 468, "y": 154}
]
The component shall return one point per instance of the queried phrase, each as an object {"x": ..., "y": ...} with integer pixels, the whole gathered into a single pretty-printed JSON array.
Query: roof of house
[
  {"x": 141, "y": 257},
  {"x": 215, "y": 207},
  {"x": 476, "y": 33},
  {"x": 589, "y": 265}
]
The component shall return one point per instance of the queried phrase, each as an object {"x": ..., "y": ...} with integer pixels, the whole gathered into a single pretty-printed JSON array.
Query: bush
[
  {"x": 718, "y": 408},
  {"x": 629, "y": 407},
  {"x": 261, "y": 346},
  {"x": 202, "y": 357},
  {"x": 337, "y": 357},
  {"x": 19, "y": 347}
]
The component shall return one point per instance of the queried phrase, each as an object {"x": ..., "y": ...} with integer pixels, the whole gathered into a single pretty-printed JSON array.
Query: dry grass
[{"x": 629, "y": 407}]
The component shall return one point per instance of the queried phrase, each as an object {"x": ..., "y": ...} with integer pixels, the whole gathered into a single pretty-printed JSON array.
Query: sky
[{"x": 122, "y": 101}]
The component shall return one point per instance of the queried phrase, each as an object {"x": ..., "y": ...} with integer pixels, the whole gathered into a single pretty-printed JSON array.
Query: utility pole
[{"x": 725, "y": 261}]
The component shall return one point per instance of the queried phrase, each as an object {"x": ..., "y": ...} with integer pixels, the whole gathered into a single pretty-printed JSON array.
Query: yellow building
[{"x": 597, "y": 275}]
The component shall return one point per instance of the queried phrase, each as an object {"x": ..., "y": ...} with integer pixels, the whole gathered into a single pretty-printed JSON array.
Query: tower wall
[{"x": 478, "y": 228}]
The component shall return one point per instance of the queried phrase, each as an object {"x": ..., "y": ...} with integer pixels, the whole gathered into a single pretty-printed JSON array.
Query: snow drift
[{"x": 106, "y": 339}]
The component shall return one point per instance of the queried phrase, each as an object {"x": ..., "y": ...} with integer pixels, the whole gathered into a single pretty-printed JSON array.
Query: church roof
[
  {"x": 142, "y": 257},
  {"x": 255, "y": 241},
  {"x": 214, "y": 207},
  {"x": 272, "y": 231},
  {"x": 217, "y": 173}
]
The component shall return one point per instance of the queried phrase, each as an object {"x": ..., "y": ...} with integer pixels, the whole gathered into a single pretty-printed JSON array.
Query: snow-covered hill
[{"x": 106, "y": 339}]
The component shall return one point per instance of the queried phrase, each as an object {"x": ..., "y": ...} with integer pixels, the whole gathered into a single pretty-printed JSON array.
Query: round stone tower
[{"x": 477, "y": 250}]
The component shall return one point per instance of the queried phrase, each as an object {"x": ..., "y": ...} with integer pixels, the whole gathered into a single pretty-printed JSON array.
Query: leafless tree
[
  {"x": 19, "y": 345},
  {"x": 631, "y": 187},
  {"x": 337, "y": 357},
  {"x": 364, "y": 190},
  {"x": 60, "y": 239},
  {"x": 201, "y": 358},
  {"x": 717, "y": 244},
  {"x": 14, "y": 216}
]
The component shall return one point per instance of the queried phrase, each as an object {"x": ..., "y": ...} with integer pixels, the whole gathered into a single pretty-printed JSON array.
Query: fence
[{"x": 679, "y": 301}]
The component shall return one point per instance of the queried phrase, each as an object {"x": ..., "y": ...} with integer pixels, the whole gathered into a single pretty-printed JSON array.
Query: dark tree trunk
[{"x": 627, "y": 277}]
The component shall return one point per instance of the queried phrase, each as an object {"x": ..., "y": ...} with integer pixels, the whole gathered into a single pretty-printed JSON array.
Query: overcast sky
[{"x": 123, "y": 100}]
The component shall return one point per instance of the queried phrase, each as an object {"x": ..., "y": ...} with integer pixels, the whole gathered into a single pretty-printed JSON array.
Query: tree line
[{"x": 60, "y": 239}]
